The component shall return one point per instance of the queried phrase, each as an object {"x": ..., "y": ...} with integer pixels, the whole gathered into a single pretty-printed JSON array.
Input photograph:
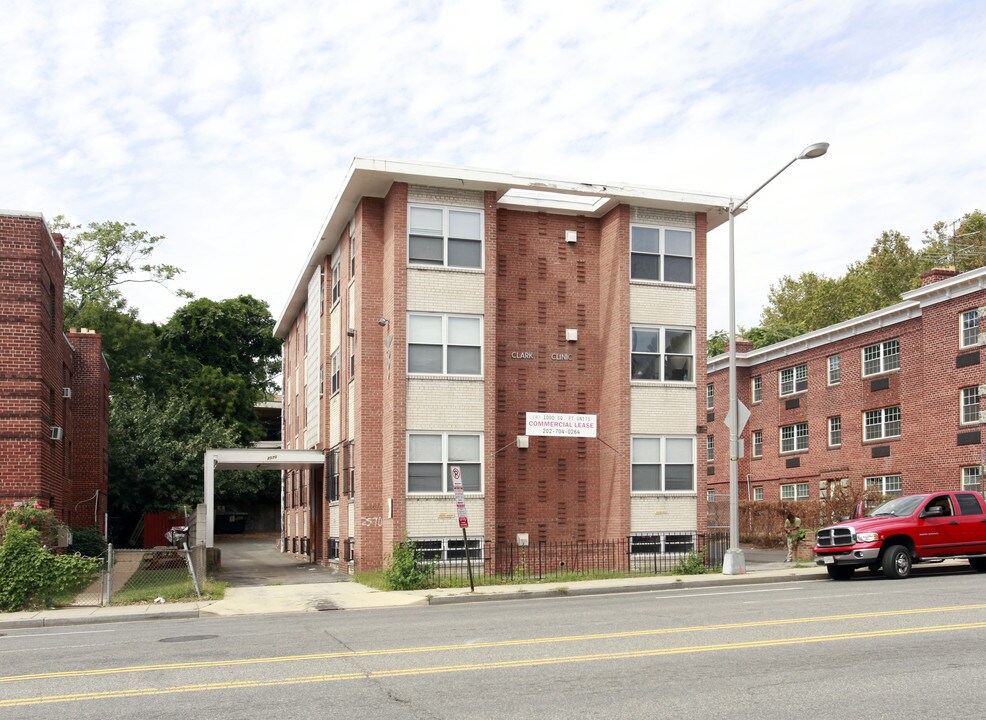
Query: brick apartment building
[
  {"x": 54, "y": 387},
  {"x": 439, "y": 306},
  {"x": 890, "y": 402}
]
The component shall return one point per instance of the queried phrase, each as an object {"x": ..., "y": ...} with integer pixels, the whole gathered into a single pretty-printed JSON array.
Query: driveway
[{"x": 253, "y": 560}]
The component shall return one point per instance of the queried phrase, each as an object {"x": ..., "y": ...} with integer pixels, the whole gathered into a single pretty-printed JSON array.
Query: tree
[
  {"x": 718, "y": 343},
  {"x": 104, "y": 256},
  {"x": 961, "y": 244}
]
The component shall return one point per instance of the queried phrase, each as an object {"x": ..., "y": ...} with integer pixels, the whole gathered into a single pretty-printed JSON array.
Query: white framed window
[
  {"x": 793, "y": 379},
  {"x": 446, "y": 549},
  {"x": 835, "y": 369},
  {"x": 352, "y": 253},
  {"x": 757, "y": 443},
  {"x": 445, "y": 236},
  {"x": 665, "y": 354},
  {"x": 835, "y": 431},
  {"x": 756, "y": 388},
  {"x": 352, "y": 359},
  {"x": 972, "y": 478},
  {"x": 430, "y": 457},
  {"x": 662, "y": 464},
  {"x": 758, "y": 493},
  {"x": 881, "y": 357},
  {"x": 710, "y": 448},
  {"x": 710, "y": 495},
  {"x": 334, "y": 380},
  {"x": 794, "y": 491},
  {"x": 882, "y": 423},
  {"x": 891, "y": 485},
  {"x": 662, "y": 254},
  {"x": 444, "y": 344},
  {"x": 710, "y": 396},
  {"x": 335, "y": 281},
  {"x": 794, "y": 438},
  {"x": 661, "y": 543},
  {"x": 970, "y": 405},
  {"x": 969, "y": 325}
]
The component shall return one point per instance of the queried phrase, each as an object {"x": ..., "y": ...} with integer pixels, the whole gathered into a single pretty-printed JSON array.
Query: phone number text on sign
[{"x": 561, "y": 424}]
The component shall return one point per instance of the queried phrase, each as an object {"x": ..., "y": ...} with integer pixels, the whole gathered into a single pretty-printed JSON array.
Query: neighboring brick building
[
  {"x": 891, "y": 402},
  {"x": 439, "y": 306},
  {"x": 54, "y": 387}
]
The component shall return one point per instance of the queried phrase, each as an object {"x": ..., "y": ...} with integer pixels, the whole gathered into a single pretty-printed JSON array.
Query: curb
[
  {"x": 94, "y": 619},
  {"x": 654, "y": 587}
]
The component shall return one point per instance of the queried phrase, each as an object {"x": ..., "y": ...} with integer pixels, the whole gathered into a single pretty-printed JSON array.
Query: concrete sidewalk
[{"x": 315, "y": 597}]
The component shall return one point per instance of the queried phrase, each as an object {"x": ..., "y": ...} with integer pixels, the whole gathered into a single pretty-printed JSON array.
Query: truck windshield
[{"x": 899, "y": 506}]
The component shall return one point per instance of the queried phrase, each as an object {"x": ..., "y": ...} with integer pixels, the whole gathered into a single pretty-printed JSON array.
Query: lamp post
[{"x": 733, "y": 563}]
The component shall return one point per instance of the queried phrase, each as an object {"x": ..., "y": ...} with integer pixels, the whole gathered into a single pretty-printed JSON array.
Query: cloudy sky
[{"x": 228, "y": 127}]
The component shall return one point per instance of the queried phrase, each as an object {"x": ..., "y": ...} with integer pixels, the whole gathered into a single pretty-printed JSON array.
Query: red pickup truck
[{"x": 904, "y": 531}]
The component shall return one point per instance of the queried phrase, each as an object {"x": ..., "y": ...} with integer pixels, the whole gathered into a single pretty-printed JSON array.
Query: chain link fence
[{"x": 160, "y": 574}]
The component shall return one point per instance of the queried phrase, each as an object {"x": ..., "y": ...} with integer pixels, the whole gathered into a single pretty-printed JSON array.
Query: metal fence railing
[{"x": 637, "y": 554}]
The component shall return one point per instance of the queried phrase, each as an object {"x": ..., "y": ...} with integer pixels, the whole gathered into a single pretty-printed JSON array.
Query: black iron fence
[{"x": 636, "y": 554}]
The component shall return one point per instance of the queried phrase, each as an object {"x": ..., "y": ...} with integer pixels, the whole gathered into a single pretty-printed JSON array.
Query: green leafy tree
[
  {"x": 101, "y": 258},
  {"x": 961, "y": 244},
  {"x": 718, "y": 343}
]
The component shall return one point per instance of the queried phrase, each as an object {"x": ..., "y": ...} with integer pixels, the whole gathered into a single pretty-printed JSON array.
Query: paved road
[
  {"x": 251, "y": 560},
  {"x": 869, "y": 648}
]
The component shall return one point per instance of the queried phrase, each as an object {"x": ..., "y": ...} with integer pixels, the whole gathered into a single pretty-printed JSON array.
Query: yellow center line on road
[
  {"x": 480, "y": 645},
  {"x": 473, "y": 667}
]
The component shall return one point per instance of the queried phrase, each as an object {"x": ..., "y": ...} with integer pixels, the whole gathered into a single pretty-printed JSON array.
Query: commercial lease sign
[{"x": 561, "y": 424}]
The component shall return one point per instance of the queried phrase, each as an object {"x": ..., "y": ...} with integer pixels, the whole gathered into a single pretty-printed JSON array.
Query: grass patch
[
  {"x": 146, "y": 586},
  {"x": 375, "y": 579}
]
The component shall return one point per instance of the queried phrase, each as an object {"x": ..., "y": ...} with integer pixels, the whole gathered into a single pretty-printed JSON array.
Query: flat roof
[{"x": 373, "y": 177}]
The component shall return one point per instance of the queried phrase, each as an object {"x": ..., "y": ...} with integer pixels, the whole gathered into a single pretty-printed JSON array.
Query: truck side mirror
[{"x": 933, "y": 511}]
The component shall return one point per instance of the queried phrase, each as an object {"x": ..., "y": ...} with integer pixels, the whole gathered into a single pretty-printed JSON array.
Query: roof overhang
[
  {"x": 370, "y": 177},
  {"x": 263, "y": 459}
]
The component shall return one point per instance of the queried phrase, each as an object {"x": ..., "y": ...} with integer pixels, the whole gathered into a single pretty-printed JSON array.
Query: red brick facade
[
  {"x": 933, "y": 445},
  {"x": 50, "y": 383},
  {"x": 536, "y": 284}
]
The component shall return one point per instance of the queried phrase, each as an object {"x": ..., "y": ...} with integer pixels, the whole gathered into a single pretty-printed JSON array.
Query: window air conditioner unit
[
  {"x": 56, "y": 432},
  {"x": 66, "y": 392}
]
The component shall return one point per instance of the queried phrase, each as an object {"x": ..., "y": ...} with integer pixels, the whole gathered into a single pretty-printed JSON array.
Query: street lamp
[{"x": 733, "y": 563}]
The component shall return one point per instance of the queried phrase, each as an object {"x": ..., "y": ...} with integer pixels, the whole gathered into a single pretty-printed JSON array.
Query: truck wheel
[
  {"x": 896, "y": 562},
  {"x": 978, "y": 564},
  {"x": 840, "y": 572}
]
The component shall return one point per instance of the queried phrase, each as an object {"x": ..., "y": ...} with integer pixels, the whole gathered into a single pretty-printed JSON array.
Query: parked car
[{"x": 907, "y": 530}]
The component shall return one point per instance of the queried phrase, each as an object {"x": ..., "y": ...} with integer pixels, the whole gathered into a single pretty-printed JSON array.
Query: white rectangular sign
[{"x": 561, "y": 424}]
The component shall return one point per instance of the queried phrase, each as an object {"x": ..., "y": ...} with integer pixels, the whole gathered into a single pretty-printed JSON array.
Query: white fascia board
[
  {"x": 372, "y": 177},
  {"x": 957, "y": 286}
]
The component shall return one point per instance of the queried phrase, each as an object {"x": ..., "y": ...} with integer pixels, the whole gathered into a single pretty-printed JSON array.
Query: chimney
[
  {"x": 59, "y": 241},
  {"x": 743, "y": 345},
  {"x": 937, "y": 275}
]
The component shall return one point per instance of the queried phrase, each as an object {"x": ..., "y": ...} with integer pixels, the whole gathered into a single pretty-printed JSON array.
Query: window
[
  {"x": 349, "y": 469},
  {"x": 972, "y": 478},
  {"x": 710, "y": 496},
  {"x": 882, "y": 357},
  {"x": 661, "y": 544},
  {"x": 430, "y": 457},
  {"x": 333, "y": 553},
  {"x": 794, "y": 437},
  {"x": 661, "y": 254},
  {"x": 439, "y": 549},
  {"x": 332, "y": 486},
  {"x": 885, "y": 485},
  {"x": 334, "y": 383},
  {"x": 662, "y": 464},
  {"x": 757, "y": 443},
  {"x": 661, "y": 354},
  {"x": 352, "y": 358},
  {"x": 757, "y": 389},
  {"x": 710, "y": 449},
  {"x": 758, "y": 493},
  {"x": 794, "y": 491},
  {"x": 970, "y": 405},
  {"x": 794, "y": 379},
  {"x": 352, "y": 255},
  {"x": 710, "y": 396},
  {"x": 444, "y": 345},
  {"x": 883, "y": 423},
  {"x": 835, "y": 431},
  {"x": 835, "y": 369},
  {"x": 970, "y": 329},
  {"x": 335, "y": 282},
  {"x": 445, "y": 237}
]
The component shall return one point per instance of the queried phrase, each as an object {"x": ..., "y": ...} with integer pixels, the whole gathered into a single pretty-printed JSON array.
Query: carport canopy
[{"x": 249, "y": 459}]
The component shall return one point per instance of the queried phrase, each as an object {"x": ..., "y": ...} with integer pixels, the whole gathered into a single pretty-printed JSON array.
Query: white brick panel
[
  {"x": 445, "y": 290},
  {"x": 444, "y": 196},
  {"x": 334, "y": 520},
  {"x": 662, "y": 305},
  {"x": 663, "y": 513},
  {"x": 662, "y": 410},
  {"x": 670, "y": 218},
  {"x": 437, "y": 404},
  {"x": 435, "y": 517},
  {"x": 335, "y": 420}
]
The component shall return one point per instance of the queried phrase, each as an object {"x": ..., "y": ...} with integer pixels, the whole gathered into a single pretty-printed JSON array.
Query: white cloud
[{"x": 229, "y": 126}]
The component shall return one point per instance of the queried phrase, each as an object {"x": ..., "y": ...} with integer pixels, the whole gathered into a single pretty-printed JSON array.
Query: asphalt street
[{"x": 869, "y": 648}]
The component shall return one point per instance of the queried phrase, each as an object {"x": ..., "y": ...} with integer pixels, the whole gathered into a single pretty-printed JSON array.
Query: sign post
[{"x": 460, "y": 510}]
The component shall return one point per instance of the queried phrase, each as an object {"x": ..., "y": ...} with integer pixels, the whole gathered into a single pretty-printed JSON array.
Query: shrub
[
  {"x": 30, "y": 575},
  {"x": 31, "y": 516},
  {"x": 404, "y": 571},
  {"x": 87, "y": 542},
  {"x": 691, "y": 564}
]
